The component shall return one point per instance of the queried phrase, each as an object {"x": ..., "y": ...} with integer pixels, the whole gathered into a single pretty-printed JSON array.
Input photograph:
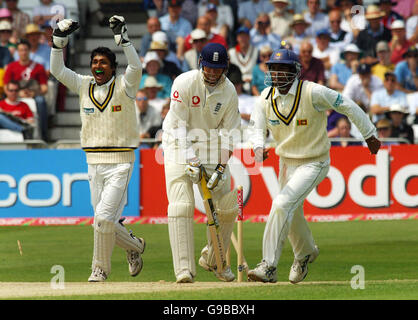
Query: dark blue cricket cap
[
  {"x": 323, "y": 32},
  {"x": 214, "y": 55},
  {"x": 283, "y": 56},
  {"x": 364, "y": 68},
  {"x": 243, "y": 29},
  {"x": 211, "y": 6}
]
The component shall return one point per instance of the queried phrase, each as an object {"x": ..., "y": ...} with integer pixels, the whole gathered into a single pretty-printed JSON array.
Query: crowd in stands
[{"x": 365, "y": 49}]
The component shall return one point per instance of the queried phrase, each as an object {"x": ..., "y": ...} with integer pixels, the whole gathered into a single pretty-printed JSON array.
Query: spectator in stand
[
  {"x": 151, "y": 89},
  {"x": 16, "y": 115},
  {"x": 20, "y": 19},
  {"x": 199, "y": 40},
  {"x": 316, "y": 18},
  {"x": 156, "y": 132},
  {"x": 221, "y": 13},
  {"x": 189, "y": 11},
  {"x": 260, "y": 70},
  {"x": 88, "y": 9},
  {"x": 172, "y": 22},
  {"x": 399, "y": 44},
  {"x": 338, "y": 37},
  {"x": 33, "y": 80},
  {"x": 153, "y": 25},
  {"x": 384, "y": 65},
  {"x": 6, "y": 35},
  {"x": 39, "y": 52},
  {"x": 261, "y": 34},
  {"x": 312, "y": 68},
  {"x": 361, "y": 85},
  {"x": 400, "y": 128},
  {"x": 343, "y": 129},
  {"x": 246, "y": 102},
  {"x": 153, "y": 66},
  {"x": 390, "y": 15},
  {"x": 171, "y": 65},
  {"x": 382, "y": 99},
  {"x": 203, "y": 23},
  {"x": 384, "y": 131},
  {"x": 217, "y": 26},
  {"x": 245, "y": 56},
  {"x": 249, "y": 11},
  {"x": 405, "y": 71},
  {"x": 47, "y": 11},
  {"x": 329, "y": 56},
  {"x": 374, "y": 32},
  {"x": 412, "y": 99},
  {"x": 332, "y": 120},
  {"x": 299, "y": 26},
  {"x": 412, "y": 25},
  {"x": 281, "y": 18},
  {"x": 147, "y": 115},
  {"x": 342, "y": 71},
  {"x": 404, "y": 7}
]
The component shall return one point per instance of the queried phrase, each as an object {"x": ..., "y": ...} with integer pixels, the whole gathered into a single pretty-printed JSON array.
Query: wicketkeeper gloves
[
  {"x": 64, "y": 29},
  {"x": 120, "y": 31}
]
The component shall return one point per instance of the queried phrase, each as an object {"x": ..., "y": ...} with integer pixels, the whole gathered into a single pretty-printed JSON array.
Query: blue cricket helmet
[
  {"x": 214, "y": 55},
  {"x": 284, "y": 56}
]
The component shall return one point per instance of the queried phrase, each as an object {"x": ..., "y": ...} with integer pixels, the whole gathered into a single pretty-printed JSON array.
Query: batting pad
[
  {"x": 125, "y": 240},
  {"x": 104, "y": 241},
  {"x": 180, "y": 230},
  {"x": 227, "y": 211}
]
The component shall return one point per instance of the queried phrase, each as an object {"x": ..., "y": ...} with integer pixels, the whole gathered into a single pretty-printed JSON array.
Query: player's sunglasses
[{"x": 142, "y": 99}]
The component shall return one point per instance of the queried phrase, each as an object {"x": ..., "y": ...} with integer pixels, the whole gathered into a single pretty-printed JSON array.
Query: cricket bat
[{"x": 213, "y": 225}]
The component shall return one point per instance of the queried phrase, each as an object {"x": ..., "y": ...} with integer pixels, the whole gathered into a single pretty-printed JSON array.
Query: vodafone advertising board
[{"x": 358, "y": 186}]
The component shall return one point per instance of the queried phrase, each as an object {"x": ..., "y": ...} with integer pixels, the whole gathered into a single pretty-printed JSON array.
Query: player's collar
[{"x": 292, "y": 90}]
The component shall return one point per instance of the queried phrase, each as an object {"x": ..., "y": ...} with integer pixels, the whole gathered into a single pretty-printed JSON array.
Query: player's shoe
[
  {"x": 134, "y": 258},
  {"x": 263, "y": 273},
  {"x": 185, "y": 277},
  {"x": 226, "y": 275},
  {"x": 299, "y": 268},
  {"x": 97, "y": 275}
]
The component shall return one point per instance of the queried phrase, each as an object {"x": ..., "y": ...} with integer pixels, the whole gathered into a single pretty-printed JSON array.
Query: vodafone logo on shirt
[
  {"x": 176, "y": 96},
  {"x": 195, "y": 101}
]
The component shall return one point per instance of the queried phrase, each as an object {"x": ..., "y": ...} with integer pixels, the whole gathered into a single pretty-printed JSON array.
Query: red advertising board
[{"x": 358, "y": 186}]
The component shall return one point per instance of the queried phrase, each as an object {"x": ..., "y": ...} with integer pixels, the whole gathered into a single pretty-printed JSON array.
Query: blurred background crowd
[{"x": 367, "y": 50}]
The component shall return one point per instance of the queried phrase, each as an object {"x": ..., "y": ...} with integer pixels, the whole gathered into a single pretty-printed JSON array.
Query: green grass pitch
[{"x": 387, "y": 250}]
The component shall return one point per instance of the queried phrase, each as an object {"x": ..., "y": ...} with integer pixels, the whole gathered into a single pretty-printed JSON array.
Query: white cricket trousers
[
  {"x": 108, "y": 188},
  {"x": 286, "y": 218}
]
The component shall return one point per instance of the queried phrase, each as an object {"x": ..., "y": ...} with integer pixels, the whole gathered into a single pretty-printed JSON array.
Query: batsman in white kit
[
  {"x": 197, "y": 138},
  {"x": 109, "y": 136},
  {"x": 295, "y": 113}
]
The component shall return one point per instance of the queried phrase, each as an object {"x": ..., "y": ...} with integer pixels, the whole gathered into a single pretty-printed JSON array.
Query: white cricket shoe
[
  {"x": 185, "y": 277},
  {"x": 226, "y": 275},
  {"x": 263, "y": 273},
  {"x": 134, "y": 258},
  {"x": 299, "y": 268},
  {"x": 97, "y": 275}
]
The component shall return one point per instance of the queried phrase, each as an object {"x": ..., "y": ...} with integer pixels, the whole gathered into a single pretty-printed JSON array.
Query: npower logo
[{"x": 61, "y": 189}]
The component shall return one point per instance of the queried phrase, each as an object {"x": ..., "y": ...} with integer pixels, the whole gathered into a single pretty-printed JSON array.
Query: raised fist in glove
[
  {"x": 217, "y": 179},
  {"x": 62, "y": 31},
  {"x": 194, "y": 170},
  {"x": 120, "y": 31}
]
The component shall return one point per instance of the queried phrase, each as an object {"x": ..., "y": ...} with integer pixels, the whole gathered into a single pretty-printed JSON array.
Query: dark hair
[
  {"x": 103, "y": 51},
  {"x": 24, "y": 42},
  {"x": 14, "y": 82}
]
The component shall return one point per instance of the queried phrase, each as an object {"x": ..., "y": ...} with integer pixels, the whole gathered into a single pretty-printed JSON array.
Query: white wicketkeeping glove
[
  {"x": 217, "y": 179},
  {"x": 194, "y": 170},
  {"x": 62, "y": 31},
  {"x": 120, "y": 31}
]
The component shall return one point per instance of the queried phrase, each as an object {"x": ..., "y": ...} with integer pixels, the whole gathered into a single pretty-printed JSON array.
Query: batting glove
[
  {"x": 217, "y": 179},
  {"x": 120, "y": 31},
  {"x": 194, "y": 170},
  {"x": 64, "y": 29}
]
